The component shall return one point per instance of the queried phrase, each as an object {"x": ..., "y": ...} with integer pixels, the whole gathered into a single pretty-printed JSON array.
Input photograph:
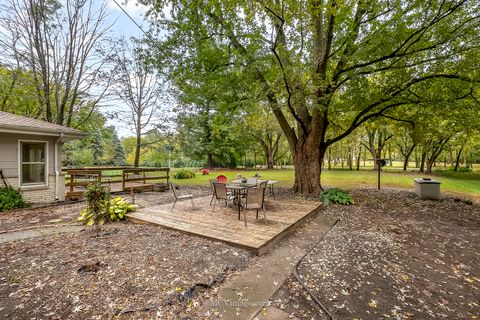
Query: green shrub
[
  {"x": 336, "y": 195},
  {"x": 118, "y": 208},
  {"x": 184, "y": 174},
  {"x": 98, "y": 198},
  {"x": 11, "y": 199},
  {"x": 100, "y": 208}
]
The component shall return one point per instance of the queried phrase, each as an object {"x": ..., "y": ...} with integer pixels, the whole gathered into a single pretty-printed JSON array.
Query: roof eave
[{"x": 67, "y": 135}]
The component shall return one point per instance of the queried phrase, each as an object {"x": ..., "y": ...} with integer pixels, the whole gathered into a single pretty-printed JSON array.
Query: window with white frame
[{"x": 33, "y": 163}]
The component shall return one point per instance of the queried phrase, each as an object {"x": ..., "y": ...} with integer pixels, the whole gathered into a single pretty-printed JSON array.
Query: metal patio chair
[
  {"x": 263, "y": 184},
  {"x": 212, "y": 187},
  {"x": 220, "y": 193},
  {"x": 180, "y": 197},
  {"x": 254, "y": 200}
]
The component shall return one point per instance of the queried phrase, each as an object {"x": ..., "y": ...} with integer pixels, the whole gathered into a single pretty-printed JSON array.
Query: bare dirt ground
[{"x": 393, "y": 256}]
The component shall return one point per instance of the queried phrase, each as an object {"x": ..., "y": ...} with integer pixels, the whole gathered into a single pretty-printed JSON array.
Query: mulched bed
[
  {"x": 68, "y": 212},
  {"x": 136, "y": 271},
  {"x": 393, "y": 256}
]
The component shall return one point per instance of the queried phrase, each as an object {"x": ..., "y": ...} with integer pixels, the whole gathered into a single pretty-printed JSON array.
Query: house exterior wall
[
  {"x": 9, "y": 164},
  {"x": 41, "y": 194}
]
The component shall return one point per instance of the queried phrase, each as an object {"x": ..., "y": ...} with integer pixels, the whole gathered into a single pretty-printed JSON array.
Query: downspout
[{"x": 57, "y": 170}]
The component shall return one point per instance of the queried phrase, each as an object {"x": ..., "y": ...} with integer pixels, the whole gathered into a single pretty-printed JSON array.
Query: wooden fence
[{"x": 118, "y": 179}]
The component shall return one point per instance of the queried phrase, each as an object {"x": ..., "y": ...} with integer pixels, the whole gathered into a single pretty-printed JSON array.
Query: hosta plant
[
  {"x": 110, "y": 210},
  {"x": 118, "y": 208},
  {"x": 336, "y": 195}
]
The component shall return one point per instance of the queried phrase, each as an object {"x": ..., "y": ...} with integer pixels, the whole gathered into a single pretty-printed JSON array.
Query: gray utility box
[{"x": 427, "y": 188}]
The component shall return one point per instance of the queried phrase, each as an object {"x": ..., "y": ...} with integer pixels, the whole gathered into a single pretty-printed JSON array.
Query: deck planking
[{"x": 283, "y": 215}]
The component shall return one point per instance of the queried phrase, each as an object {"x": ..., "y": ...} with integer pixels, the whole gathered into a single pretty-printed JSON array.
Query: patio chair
[
  {"x": 221, "y": 179},
  {"x": 220, "y": 193},
  {"x": 254, "y": 200},
  {"x": 180, "y": 197},
  {"x": 212, "y": 187},
  {"x": 252, "y": 180}
]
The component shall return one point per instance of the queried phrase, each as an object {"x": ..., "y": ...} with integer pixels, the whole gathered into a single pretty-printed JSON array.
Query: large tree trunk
[
  {"x": 308, "y": 159},
  {"x": 269, "y": 157}
]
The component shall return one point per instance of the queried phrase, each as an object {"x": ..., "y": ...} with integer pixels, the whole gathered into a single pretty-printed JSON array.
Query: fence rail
[{"x": 132, "y": 179}]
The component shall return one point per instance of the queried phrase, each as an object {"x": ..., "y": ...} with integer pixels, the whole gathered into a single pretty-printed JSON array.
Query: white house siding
[{"x": 9, "y": 165}]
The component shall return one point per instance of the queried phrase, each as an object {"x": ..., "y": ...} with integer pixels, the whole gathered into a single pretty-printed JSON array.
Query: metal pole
[{"x": 169, "y": 156}]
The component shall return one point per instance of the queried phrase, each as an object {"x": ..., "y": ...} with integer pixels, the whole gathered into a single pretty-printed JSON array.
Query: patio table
[
  {"x": 270, "y": 185},
  {"x": 237, "y": 190}
]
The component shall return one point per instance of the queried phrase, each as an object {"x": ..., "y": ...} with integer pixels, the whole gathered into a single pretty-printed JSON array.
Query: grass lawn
[{"x": 462, "y": 183}]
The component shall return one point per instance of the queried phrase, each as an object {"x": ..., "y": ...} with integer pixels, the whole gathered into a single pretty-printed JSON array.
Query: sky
[{"x": 123, "y": 26}]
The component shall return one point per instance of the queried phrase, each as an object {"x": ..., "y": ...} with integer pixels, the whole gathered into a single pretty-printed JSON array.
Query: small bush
[
  {"x": 184, "y": 174},
  {"x": 11, "y": 199},
  {"x": 97, "y": 197},
  {"x": 118, "y": 208},
  {"x": 101, "y": 209},
  {"x": 336, "y": 195}
]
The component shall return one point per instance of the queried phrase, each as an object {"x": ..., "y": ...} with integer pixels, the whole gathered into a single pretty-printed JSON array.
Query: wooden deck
[{"x": 283, "y": 215}]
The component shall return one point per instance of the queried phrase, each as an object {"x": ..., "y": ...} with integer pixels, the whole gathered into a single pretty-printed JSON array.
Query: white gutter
[{"x": 57, "y": 170}]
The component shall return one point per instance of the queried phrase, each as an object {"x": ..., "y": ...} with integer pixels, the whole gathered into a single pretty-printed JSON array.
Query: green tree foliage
[
  {"x": 102, "y": 147},
  {"x": 119, "y": 157},
  {"x": 260, "y": 123},
  {"x": 210, "y": 108},
  {"x": 17, "y": 93},
  {"x": 328, "y": 67}
]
